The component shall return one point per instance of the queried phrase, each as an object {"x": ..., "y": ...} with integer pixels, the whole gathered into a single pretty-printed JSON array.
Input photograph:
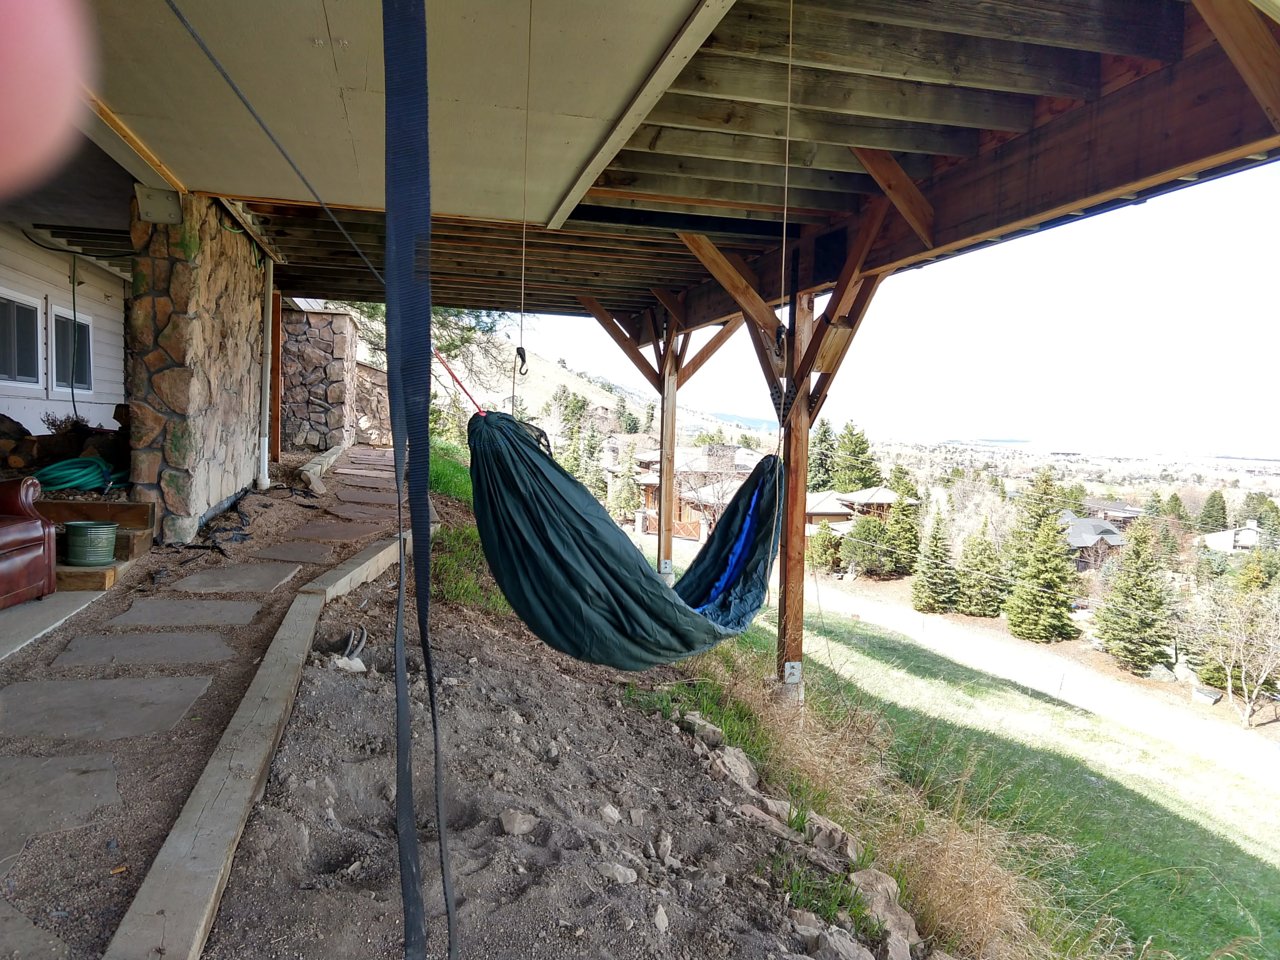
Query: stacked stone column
[
  {"x": 318, "y": 366},
  {"x": 193, "y": 362}
]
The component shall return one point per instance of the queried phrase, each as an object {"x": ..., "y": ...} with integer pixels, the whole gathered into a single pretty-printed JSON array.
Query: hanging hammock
[{"x": 579, "y": 582}]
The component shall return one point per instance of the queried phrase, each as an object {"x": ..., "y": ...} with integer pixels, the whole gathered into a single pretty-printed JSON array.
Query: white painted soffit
[{"x": 314, "y": 70}]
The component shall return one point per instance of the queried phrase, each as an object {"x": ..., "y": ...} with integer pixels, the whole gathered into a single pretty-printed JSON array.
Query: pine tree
[
  {"x": 626, "y": 492},
  {"x": 823, "y": 552},
  {"x": 1213, "y": 516},
  {"x": 853, "y": 468},
  {"x": 936, "y": 588},
  {"x": 1154, "y": 507},
  {"x": 902, "y": 536},
  {"x": 1073, "y": 498},
  {"x": 902, "y": 482},
  {"x": 592, "y": 472},
  {"x": 1040, "y": 502},
  {"x": 647, "y": 425},
  {"x": 1167, "y": 546},
  {"x": 822, "y": 451},
  {"x": 571, "y": 456},
  {"x": 1252, "y": 575},
  {"x": 628, "y": 422},
  {"x": 1134, "y": 620},
  {"x": 864, "y": 552},
  {"x": 1175, "y": 510},
  {"x": 981, "y": 576},
  {"x": 1039, "y": 608}
]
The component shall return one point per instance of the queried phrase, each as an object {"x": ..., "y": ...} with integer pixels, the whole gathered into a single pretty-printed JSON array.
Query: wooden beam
[
  {"x": 606, "y": 320},
  {"x": 671, "y": 301},
  {"x": 686, "y": 42},
  {"x": 1150, "y": 29},
  {"x": 901, "y": 190},
  {"x": 718, "y": 193},
  {"x": 798, "y": 154},
  {"x": 792, "y": 547},
  {"x": 1245, "y": 36},
  {"x": 760, "y": 120},
  {"x": 870, "y": 222},
  {"x": 1193, "y": 116},
  {"x": 695, "y": 363},
  {"x": 766, "y": 174},
  {"x": 833, "y": 41},
  {"x": 844, "y": 337},
  {"x": 734, "y": 283},
  {"x": 135, "y": 147},
  {"x": 888, "y": 98},
  {"x": 1270, "y": 7}
]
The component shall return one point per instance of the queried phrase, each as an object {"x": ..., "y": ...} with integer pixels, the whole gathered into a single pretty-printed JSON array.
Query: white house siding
[{"x": 42, "y": 275}]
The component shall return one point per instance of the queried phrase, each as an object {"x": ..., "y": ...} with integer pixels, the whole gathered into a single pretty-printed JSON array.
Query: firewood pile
[{"x": 23, "y": 451}]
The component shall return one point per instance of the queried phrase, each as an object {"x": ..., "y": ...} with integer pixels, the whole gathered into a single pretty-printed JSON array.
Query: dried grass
[{"x": 960, "y": 876}]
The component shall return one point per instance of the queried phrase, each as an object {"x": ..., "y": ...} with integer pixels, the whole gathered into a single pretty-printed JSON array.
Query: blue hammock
[{"x": 580, "y": 583}]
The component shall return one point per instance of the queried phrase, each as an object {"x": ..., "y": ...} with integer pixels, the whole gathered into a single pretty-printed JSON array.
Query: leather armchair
[{"x": 27, "y": 558}]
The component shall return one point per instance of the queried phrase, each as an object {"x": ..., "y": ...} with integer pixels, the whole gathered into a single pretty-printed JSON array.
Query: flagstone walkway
[{"x": 106, "y": 722}]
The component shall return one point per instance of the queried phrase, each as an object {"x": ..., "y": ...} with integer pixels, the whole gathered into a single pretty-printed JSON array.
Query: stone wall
[
  {"x": 373, "y": 406},
  {"x": 318, "y": 366},
  {"x": 193, "y": 362}
]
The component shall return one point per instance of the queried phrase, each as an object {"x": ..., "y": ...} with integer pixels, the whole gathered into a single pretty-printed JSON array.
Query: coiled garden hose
[{"x": 80, "y": 473}]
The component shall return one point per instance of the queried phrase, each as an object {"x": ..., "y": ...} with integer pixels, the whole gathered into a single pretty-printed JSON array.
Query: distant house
[
  {"x": 706, "y": 480},
  {"x": 1091, "y": 540},
  {"x": 873, "y": 502},
  {"x": 1248, "y": 537},
  {"x": 1115, "y": 512},
  {"x": 826, "y": 505}
]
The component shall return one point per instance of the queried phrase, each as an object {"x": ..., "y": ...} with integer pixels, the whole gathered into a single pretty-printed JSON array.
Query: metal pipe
[{"x": 264, "y": 420}]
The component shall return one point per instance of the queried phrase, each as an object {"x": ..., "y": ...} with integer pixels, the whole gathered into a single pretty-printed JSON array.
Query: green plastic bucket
[{"x": 90, "y": 543}]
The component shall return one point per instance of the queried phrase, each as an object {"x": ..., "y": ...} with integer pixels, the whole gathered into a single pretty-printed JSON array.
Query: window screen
[
  {"x": 72, "y": 344},
  {"x": 19, "y": 342}
]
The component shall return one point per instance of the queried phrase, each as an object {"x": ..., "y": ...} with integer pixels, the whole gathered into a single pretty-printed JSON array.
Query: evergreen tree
[
  {"x": 749, "y": 441},
  {"x": 1213, "y": 517},
  {"x": 706, "y": 439},
  {"x": 853, "y": 468},
  {"x": 647, "y": 425},
  {"x": 1175, "y": 510},
  {"x": 1039, "y": 503},
  {"x": 592, "y": 472},
  {"x": 1252, "y": 575},
  {"x": 628, "y": 422},
  {"x": 936, "y": 588},
  {"x": 1134, "y": 620},
  {"x": 1039, "y": 607},
  {"x": 981, "y": 577},
  {"x": 1167, "y": 546},
  {"x": 626, "y": 492},
  {"x": 902, "y": 536},
  {"x": 571, "y": 456},
  {"x": 902, "y": 483},
  {"x": 823, "y": 552},
  {"x": 1073, "y": 499},
  {"x": 864, "y": 551},
  {"x": 822, "y": 452},
  {"x": 1154, "y": 507}
]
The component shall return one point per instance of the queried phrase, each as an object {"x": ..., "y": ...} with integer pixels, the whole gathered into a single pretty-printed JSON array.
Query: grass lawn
[{"x": 1149, "y": 828}]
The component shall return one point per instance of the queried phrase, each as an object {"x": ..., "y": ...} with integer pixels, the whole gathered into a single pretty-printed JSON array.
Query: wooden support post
[
  {"x": 669, "y": 379},
  {"x": 796, "y": 465},
  {"x": 1244, "y": 34}
]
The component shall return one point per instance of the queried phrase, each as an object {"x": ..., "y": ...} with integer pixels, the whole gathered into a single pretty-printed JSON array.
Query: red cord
[{"x": 449, "y": 371}]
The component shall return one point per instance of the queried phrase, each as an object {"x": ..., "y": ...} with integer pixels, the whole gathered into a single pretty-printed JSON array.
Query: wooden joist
[
  {"x": 1151, "y": 29},
  {"x": 695, "y": 363},
  {"x": 761, "y": 120},
  {"x": 1244, "y": 34},
  {"x": 676, "y": 142},
  {"x": 901, "y": 191},
  {"x": 719, "y": 193},
  {"x": 834, "y": 41},
  {"x": 734, "y": 283},
  {"x": 870, "y": 221},
  {"x": 732, "y": 171},
  {"x": 754, "y": 81},
  {"x": 622, "y": 339}
]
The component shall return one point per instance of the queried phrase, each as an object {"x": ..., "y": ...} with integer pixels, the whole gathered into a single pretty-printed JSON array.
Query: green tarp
[{"x": 580, "y": 583}]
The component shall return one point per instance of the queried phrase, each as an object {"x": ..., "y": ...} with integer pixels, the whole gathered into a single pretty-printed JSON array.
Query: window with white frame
[
  {"x": 72, "y": 351},
  {"x": 19, "y": 341}
]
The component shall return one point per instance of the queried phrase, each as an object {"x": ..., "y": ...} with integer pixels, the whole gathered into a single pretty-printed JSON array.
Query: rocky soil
[{"x": 579, "y": 826}]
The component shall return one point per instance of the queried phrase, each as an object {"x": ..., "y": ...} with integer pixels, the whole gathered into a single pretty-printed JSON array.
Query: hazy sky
[{"x": 1150, "y": 329}]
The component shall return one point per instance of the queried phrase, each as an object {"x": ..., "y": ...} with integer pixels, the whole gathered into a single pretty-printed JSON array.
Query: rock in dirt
[
  {"x": 660, "y": 919},
  {"x": 836, "y": 944},
  {"x": 664, "y": 847},
  {"x": 758, "y": 816},
  {"x": 731, "y": 763},
  {"x": 616, "y": 872},
  {"x": 636, "y": 816},
  {"x": 880, "y": 893},
  {"x": 1205, "y": 695},
  {"x": 1161, "y": 673},
  {"x": 311, "y": 480},
  {"x": 1184, "y": 673},
  {"x": 897, "y": 948},
  {"x": 806, "y": 918},
  {"x": 703, "y": 729},
  {"x": 349, "y": 664},
  {"x": 517, "y": 823},
  {"x": 609, "y": 814}
]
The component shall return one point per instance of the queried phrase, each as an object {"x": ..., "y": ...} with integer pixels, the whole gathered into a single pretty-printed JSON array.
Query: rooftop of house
[
  {"x": 873, "y": 496},
  {"x": 826, "y": 501},
  {"x": 1085, "y": 532}
]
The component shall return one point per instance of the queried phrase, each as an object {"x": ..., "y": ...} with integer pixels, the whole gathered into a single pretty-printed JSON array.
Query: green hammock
[{"x": 580, "y": 583}]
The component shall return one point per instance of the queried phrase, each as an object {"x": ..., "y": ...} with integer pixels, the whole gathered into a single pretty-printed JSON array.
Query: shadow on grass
[
  {"x": 1167, "y": 879},
  {"x": 897, "y": 651}
]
